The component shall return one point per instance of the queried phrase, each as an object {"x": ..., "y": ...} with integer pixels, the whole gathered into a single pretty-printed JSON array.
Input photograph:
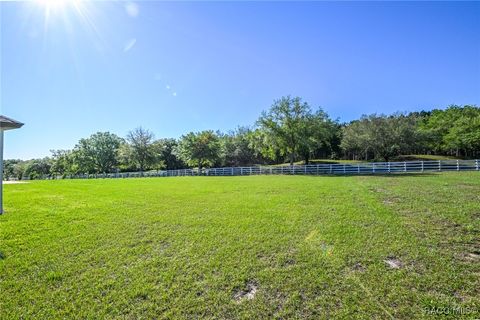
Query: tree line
[{"x": 289, "y": 131}]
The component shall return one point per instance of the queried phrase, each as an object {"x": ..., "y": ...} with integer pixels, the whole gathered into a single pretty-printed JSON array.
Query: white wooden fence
[{"x": 361, "y": 168}]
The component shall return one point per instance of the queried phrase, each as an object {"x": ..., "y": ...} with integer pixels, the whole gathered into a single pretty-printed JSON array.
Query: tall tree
[
  {"x": 284, "y": 123},
  {"x": 143, "y": 152},
  {"x": 292, "y": 129},
  {"x": 98, "y": 153},
  {"x": 201, "y": 149}
]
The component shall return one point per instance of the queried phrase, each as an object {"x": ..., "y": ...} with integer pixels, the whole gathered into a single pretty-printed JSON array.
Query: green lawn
[
  {"x": 319, "y": 161},
  {"x": 424, "y": 157},
  {"x": 241, "y": 247},
  {"x": 408, "y": 157}
]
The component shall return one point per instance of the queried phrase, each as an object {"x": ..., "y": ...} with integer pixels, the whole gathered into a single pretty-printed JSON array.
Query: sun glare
[
  {"x": 53, "y": 4},
  {"x": 68, "y": 16},
  {"x": 64, "y": 10},
  {"x": 59, "y": 6}
]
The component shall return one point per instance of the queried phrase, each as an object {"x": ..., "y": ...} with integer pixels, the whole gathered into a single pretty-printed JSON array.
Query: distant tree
[
  {"x": 331, "y": 147},
  {"x": 385, "y": 136},
  {"x": 64, "y": 162},
  {"x": 237, "y": 149},
  {"x": 455, "y": 130},
  {"x": 166, "y": 150},
  {"x": 464, "y": 136},
  {"x": 381, "y": 136},
  {"x": 98, "y": 153},
  {"x": 9, "y": 168},
  {"x": 319, "y": 132},
  {"x": 355, "y": 139},
  {"x": 37, "y": 168},
  {"x": 125, "y": 160},
  {"x": 201, "y": 149},
  {"x": 19, "y": 170},
  {"x": 143, "y": 152}
]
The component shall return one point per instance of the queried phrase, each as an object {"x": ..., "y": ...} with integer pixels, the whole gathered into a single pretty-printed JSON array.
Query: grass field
[
  {"x": 320, "y": 161},
  {"x": 242, "y": 247},
  {"x": 409, "y": 157},
  {"x": 424, "y": 157}
]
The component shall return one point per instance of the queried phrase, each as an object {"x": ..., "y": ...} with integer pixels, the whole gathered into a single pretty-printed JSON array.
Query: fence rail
[{"x": 360, "y": 168}]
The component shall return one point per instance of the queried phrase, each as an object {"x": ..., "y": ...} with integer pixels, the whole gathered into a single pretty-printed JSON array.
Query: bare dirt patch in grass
[
  {"x": 393, "y": 262},
  {"x": 391, "y": 201},
  {"x": 358, "y": 267},
  {"x": 472, "y": 256},
  {"x": 247, "y": 293}
]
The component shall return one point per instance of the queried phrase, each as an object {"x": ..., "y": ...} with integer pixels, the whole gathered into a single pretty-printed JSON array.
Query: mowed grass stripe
[{"x": 185, "y": 247}]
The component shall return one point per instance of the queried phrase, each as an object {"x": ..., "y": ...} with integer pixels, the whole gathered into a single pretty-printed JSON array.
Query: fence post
[
  {"x": 388, "y": 167},
  {"x": 330, "y": 169},
  {"x": 422, "y": 166},
  {"x": 305, "y": 167},
  {"x": 405, "y": 166},
  {"x": 458, "y": 166},
  {"x": 344, "y": 168},
  {"x": 358, "y": 168},
  {"x": 373, "y": 167},
  {"x": 232, "y": 171},
  {"x": 476, "y": 165},
  {"x": 439, "y": 165}
]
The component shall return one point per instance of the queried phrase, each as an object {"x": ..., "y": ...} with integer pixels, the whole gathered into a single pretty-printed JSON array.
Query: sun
[
  {"x": 69, "y": 20},
  {"x": 64, "y": 9},
  {"x": 53, "y": 10},
  {"x": 68, "y": 16},
  {"x": 59, "y": 6}
]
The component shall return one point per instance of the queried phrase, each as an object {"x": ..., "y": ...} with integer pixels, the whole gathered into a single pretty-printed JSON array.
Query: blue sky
[{"x": 178, "y": 67}]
